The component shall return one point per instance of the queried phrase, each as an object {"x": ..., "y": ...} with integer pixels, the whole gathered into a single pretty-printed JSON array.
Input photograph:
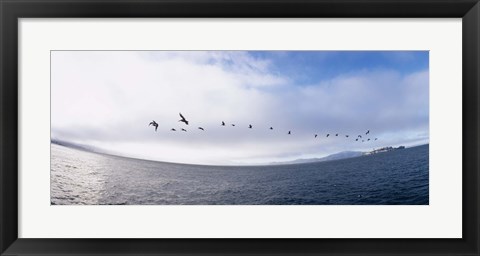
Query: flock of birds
[{"x": 184, "y": 120}]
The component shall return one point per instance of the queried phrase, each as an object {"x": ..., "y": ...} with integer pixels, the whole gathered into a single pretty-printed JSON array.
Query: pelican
[
  {"x": 201, "y": 128},
  {"x": 223, "y": 123},
  {"x": 368, "y": 131},
  {"x": 183, "y": 119},
  {"x": 336, "y": 135},
  {"x": 368, "y": 140},
  {"x": 233, "y": 124},
  {"x": 183, "y": 130},
  {"x": 347, "y": 136},
  {"x": 316, "y": 135},
  {"x": 173, "y": 130},
  {"x": 271, "y": 128},
  {"x": 289, "y": 132},
  {"x": 356, "y": 139},
  {"x": 250, "y": 126},
  {"x": 154, "y": 124},
  {"x": 328, "y": 135}
]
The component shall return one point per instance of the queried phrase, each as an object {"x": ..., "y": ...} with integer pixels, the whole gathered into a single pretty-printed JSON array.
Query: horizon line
[{"x": 91, "y": 149}]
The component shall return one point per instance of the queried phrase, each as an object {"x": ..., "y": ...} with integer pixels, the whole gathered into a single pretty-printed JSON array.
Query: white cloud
[{"x": 107, "y": 99}]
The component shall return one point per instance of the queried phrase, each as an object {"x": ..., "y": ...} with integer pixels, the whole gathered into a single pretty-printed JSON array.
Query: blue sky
[
  {"x": 307, "y": 67},
  {"x": 107, "y": 99}
]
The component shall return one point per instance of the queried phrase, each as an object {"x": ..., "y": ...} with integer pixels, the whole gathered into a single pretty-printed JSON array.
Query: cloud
[{"x": 107, "y": 99}]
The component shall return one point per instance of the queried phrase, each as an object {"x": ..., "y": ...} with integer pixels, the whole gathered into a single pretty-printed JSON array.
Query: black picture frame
[{"x": 12, "y": 10}]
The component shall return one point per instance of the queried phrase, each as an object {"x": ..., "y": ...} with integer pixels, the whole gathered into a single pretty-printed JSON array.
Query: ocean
[{"x": 399, "y": 177}]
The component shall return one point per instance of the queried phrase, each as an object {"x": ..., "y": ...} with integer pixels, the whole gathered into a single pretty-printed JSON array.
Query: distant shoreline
[{"x": 328, "y": 158}]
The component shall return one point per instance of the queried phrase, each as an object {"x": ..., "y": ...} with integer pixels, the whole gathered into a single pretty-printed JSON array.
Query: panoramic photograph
[{"x": 239, "y": 128}]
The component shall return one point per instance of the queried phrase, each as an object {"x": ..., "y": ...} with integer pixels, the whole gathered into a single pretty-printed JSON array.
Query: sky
[{"x": 106, "y": 99}]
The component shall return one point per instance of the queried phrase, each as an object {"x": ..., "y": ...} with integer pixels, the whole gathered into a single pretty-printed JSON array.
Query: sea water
[{"x": 390, "y": 178}]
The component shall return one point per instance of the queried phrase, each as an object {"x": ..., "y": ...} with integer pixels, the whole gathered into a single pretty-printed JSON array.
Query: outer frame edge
[{"x": 8, "y": 197}]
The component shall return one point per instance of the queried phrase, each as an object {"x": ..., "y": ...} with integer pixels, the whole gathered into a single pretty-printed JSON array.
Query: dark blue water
[{"x": 396, "y": 177}]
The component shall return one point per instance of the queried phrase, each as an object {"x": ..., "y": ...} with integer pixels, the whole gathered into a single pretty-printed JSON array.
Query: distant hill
[
  {"x": 337, "y": 156},
  {"x": 75, "y": 145}
]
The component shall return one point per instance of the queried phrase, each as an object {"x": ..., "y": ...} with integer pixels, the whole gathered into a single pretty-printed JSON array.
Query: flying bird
[
  {"x": 316, "y": 135},
  {"x": 367, "y": 132},
  {"x": 347, "y": 136},
  {"x": 368, "y": 140},
  {"x": 154, "y": 124},
  {"x": 183, "y": 130},
  {"x": 223, "y": 123},
  {"x": 173, "y": 130},
  {"x": 289, "y": 132},
  {"x": 233, "y": 124},
  {"x": 250, "y": 126},
  {"x": 336, "y": 134},
  {"x": 375, "y": 138},
  {"x": 183, "y": 119},
  {"x": 363, "y": 141},
  {"x": 356, "y": 139},
  {"x": 328, "y": 135},
  {"x": 271, "y": 128},
  {"x": 201, "y": 128},
  {"x": 359, "y": 136}
]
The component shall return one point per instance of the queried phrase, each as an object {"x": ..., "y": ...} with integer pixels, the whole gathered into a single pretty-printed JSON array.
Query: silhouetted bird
[
  {"x": 289, "y": 132},
  {"x": 316, "y": 135},
  {"x": 173, "y": 130},
  {"x": 183, "y": 119},
  {"x": 328, "y": 135},
  {"x": 359, "y": 136},
  {"x": 250, "y": 126},
  {"x": 336, "y": 134},
  {"x": 223, "y": 123},
  {"x": 200, "y": 128},
  {"x": 367, "y": 132},
  {"x": 356, "y": 139},
  {"x": 347, "y": 136},
  {"x": 375, "y": 138},
  {"x": 368, "y": 140},
  {"x": 363, "y": 141},
  {"x": 233, "y": 124},
  {"x": 154, "y": 124},
  {"x": 271, "y": 128},
  {"x": 183, "y": 130}
]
